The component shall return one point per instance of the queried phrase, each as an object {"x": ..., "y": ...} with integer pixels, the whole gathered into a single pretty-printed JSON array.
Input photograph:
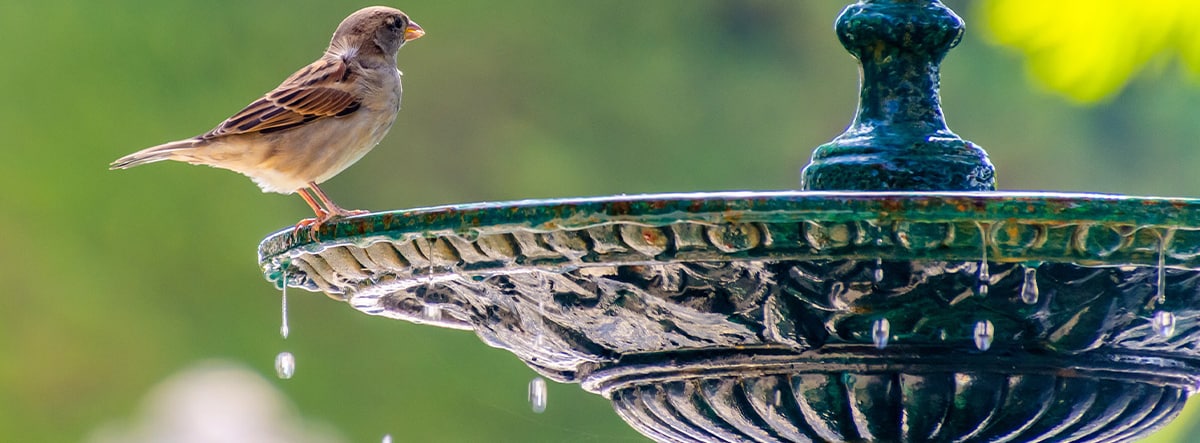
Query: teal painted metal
[
  {"x": 899, "y": 140},
  {"x": 1107, "y": 218}
]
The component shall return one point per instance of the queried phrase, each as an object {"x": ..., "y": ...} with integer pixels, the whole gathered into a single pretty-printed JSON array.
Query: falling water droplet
[
  {"x": 283, "y": 326},
  {"x": 432, "y": 311},
  {"x": 1164, "y": 323},
  {"x": 778, "y": 399},
  {"x": 880, "y": 332},
  {"x": 285, "y": 365},
  {"x": 984, "y": 333},
  {"x": 1161, "y": 285},
  {"x": 878, "y": 270},
  {"x": 1029, "y": 289},
  {"x": 537, "y": 394},
  {"x": 387, "y": 438},
  {"x": 985, "y": 276}
]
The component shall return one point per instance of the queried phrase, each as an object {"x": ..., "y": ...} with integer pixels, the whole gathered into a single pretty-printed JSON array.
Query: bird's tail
[{"x": 166, "y": 151}]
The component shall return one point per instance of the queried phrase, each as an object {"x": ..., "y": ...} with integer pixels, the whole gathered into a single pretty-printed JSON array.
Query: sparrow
[{"x": 314, "y": 125}]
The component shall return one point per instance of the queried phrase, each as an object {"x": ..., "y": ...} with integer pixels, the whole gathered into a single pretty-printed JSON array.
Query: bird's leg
[
  {"x": 334, "y": 209},
  {"x": 322, "y": 214},
  {"x": 313, "y": 223}
]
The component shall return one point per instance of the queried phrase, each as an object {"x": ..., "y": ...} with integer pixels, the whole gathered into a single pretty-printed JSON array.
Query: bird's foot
[{"x": 312, "y": 224}]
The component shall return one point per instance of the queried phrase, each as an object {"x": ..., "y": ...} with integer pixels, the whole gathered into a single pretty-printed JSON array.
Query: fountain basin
[{"x": 802, "y": 315}]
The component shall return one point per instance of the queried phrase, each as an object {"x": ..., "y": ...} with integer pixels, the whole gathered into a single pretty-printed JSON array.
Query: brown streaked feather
[{"x": 322, "y": 89}]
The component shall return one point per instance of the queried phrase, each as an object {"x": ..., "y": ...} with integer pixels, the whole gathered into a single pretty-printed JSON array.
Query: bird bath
[{"x": 895, "y": 298}]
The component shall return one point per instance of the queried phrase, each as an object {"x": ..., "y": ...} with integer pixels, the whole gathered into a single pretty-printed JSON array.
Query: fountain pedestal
[{"x": 853, "y": 313}]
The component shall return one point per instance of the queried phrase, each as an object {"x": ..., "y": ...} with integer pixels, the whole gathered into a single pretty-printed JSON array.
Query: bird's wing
[{"x": 325, "y": 88}]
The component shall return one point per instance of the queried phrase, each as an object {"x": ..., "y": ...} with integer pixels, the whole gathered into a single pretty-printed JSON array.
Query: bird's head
[{"x": 376, "y": 29}]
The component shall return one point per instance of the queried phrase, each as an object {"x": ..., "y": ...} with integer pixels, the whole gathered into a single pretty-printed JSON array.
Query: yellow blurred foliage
[{"x": 1088, "y": 50}]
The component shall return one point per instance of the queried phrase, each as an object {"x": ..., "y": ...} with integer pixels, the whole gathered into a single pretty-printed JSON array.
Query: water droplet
[
  {"x": 285, "y": 365},
  {"x": 387, "y": 438},
  {"x": 432, "y": 311},
  {"x": 537, "y": 394},
  {"x": 984, "y": 333},
  {"x": 878, "y": 270},
  {"x": 1029, "y": 288},
  {"x": 283, "y": 326},
  {"x": 778, "y": 399},
  {"x": 1161, "y": 285},
  {"x": 985, "y": 276},
  {"x": 880, "y": 332},
  {"x": 1164, "y": 323}
]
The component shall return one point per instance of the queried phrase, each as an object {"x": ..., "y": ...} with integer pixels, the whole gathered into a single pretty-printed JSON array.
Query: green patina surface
[
  {"x": 1116, "y": 212},
  {"x": 720, "y": 207},
  {"x": 899, "y": 139}
]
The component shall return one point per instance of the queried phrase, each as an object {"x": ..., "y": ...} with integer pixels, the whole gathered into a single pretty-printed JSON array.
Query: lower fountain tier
[{"x": 902, "y": 394}]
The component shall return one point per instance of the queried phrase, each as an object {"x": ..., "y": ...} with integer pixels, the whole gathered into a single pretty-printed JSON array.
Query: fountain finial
[{"x": 899, "y": 139}]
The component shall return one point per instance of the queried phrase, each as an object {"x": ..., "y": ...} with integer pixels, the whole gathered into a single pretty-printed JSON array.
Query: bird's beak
[{"x": 413, "y": 31}]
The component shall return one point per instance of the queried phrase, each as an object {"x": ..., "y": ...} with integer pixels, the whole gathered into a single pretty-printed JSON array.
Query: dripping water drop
[
  {"x": 778, "y": 399},
  {"x": 984, "y": 333},
  {"x": 878, "y": 270},
  {"x": 432, "y": 311},
  {"x": 537, "y": 394},
  {"x": 985, "y": 276},
  {"x": 285, "y": 365},
  {"x": 1029, "y": 289},
  {"x": 880, "y": 332},
  {"x": 1161, "y": 285},
  {"x": 283, "y": 326},
  {"x": 387, "y": 438},
  {"x": 1164, "y": 323}
]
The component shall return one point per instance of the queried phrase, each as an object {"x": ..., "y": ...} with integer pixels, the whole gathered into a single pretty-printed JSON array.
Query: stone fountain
[{"x": 895, "y": 297}]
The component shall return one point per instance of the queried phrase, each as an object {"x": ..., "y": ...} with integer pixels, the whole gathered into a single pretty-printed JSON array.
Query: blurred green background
[{"x": 114, "y": 281}]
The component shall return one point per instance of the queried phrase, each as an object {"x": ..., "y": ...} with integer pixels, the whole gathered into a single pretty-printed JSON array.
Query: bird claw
[{"x": 314, "y": 224}]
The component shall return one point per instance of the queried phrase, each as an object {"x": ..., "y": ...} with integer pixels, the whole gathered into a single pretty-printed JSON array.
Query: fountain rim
[{"x": 555, "y": 214}]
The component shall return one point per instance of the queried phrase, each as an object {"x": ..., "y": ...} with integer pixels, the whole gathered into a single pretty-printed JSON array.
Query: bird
[{"x": 319, "y": 121}]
